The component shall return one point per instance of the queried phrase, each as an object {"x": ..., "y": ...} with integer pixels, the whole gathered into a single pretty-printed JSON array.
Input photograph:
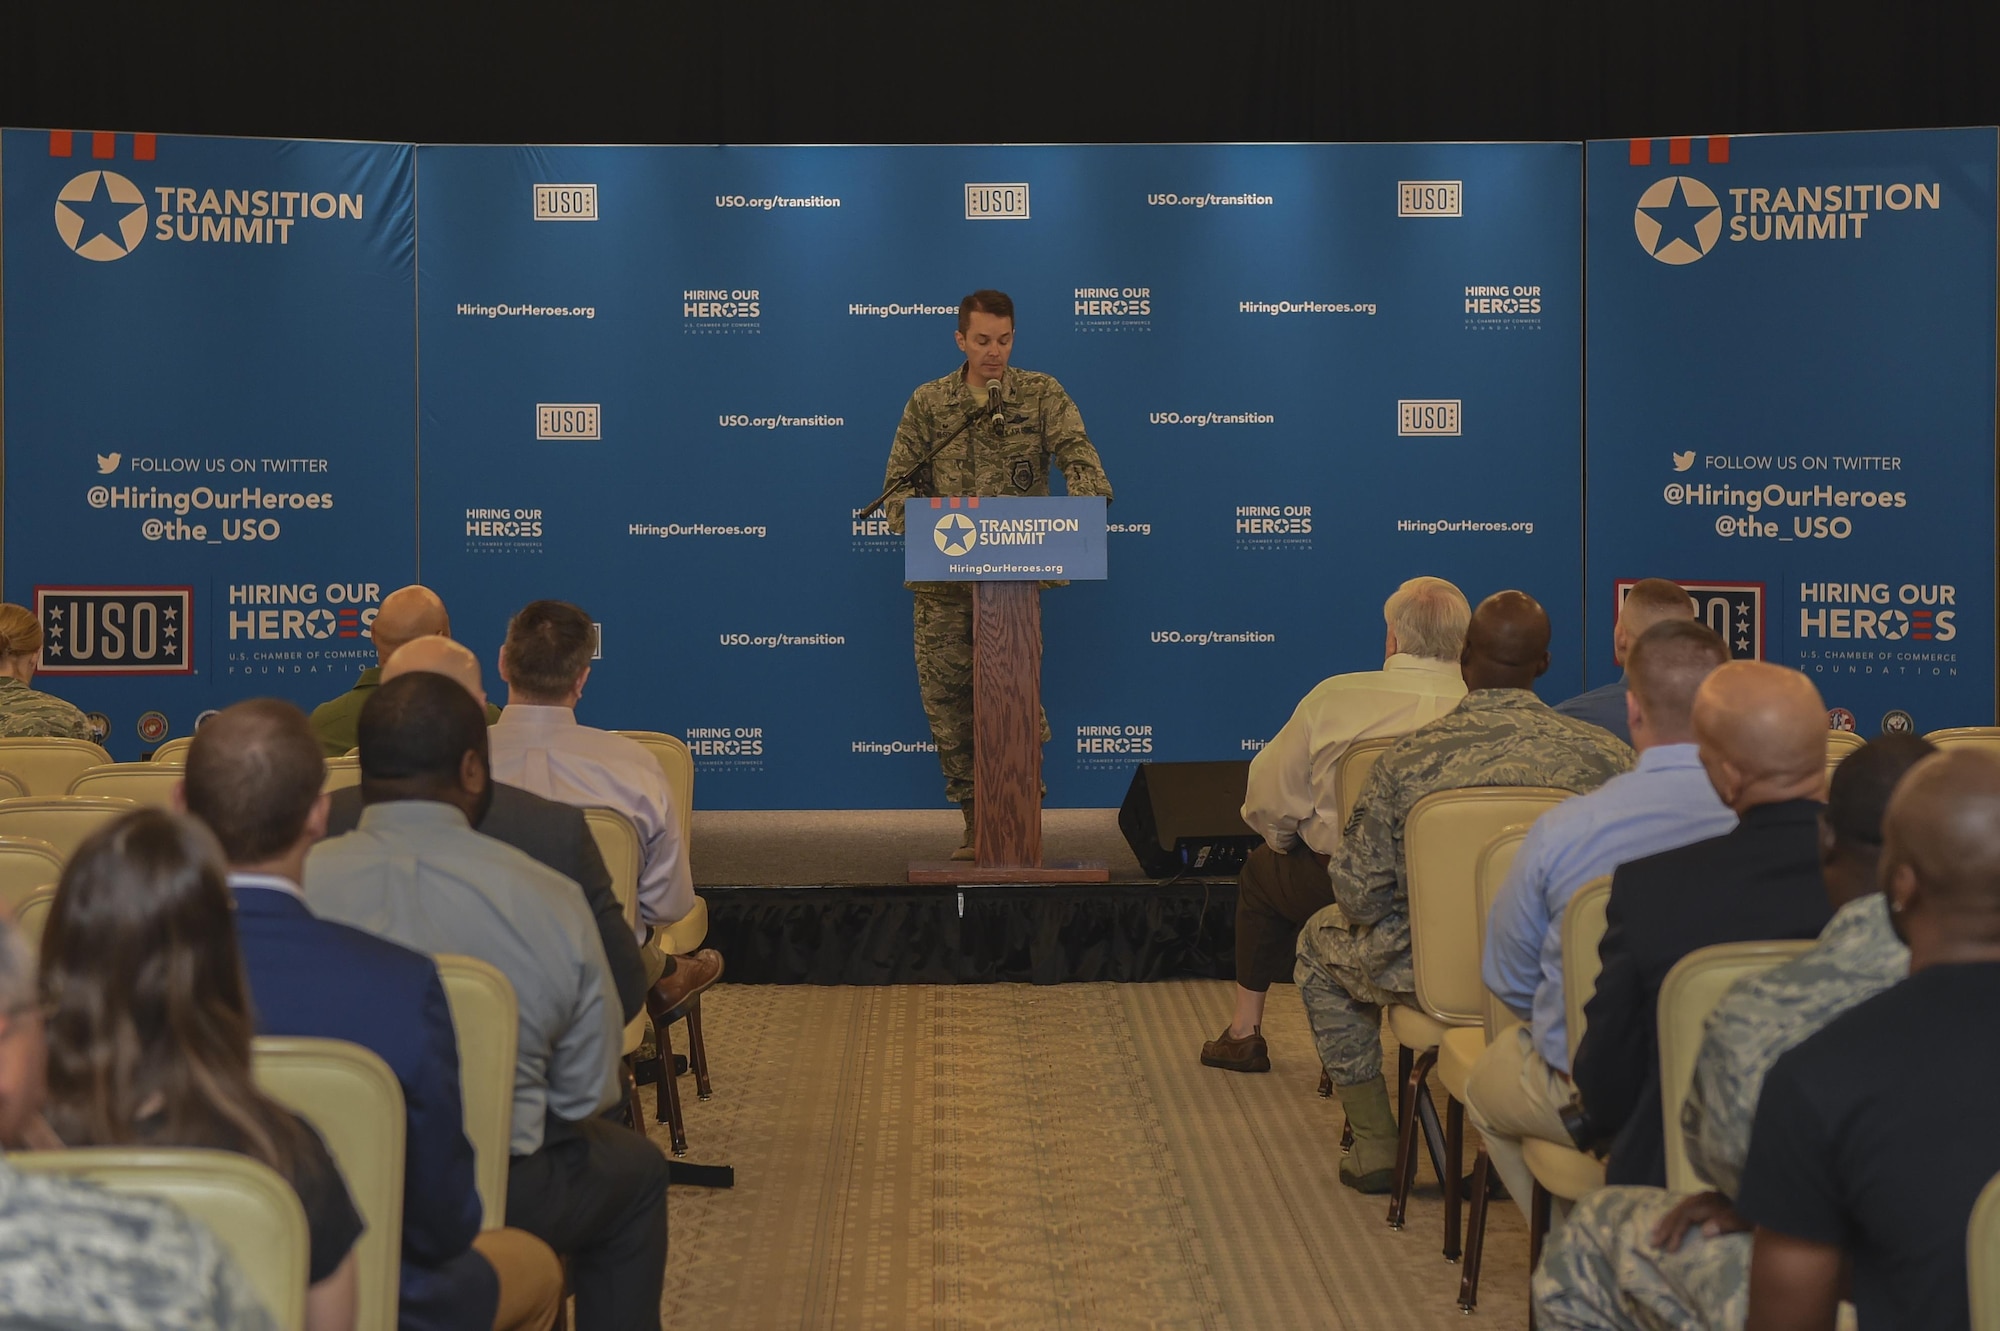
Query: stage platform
[{"x": 821, "y": 897}]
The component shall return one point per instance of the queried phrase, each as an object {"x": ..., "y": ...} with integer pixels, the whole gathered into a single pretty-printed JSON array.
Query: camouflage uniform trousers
[
  {"x": 943, "y": 631},
  {"x": 1604, "y": 1272},
  {"x": 1343, "y": 1003}
]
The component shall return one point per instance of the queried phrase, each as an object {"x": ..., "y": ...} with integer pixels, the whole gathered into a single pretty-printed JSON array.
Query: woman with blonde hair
[
  {"x": 149, "y": 1028},
  {"x": 26, "y": 712}
]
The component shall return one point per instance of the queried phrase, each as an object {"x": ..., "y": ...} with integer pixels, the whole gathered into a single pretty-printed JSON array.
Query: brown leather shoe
[
  {"x": 692, "y": 973},
  {"x": 1249, "y": 1054}
]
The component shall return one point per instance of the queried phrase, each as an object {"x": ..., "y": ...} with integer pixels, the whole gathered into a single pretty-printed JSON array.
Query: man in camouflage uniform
[
  {"x": 1016, "y": 438},
  {"x": 1354, "y": 956},
  {"x": 1646, "y": 1258},
  {"x": 74, "y": 1255}
]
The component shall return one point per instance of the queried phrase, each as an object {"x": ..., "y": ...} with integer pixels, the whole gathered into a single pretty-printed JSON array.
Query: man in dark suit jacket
[
  {"x": 1762, "y": 732},
  {"x": 254, "y": 776}
]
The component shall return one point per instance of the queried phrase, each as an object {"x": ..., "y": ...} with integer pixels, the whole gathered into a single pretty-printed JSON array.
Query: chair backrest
[
  {"x": 143, "y": 783},
  {"x": 31, "y": 915},
  {"x": 1351, "y": 769},
  {"x": 1984, "y": 738},
  {"x": 1689, "y": 993},
  {"x": 11, "y": 787},
  {"x": 618, "y": 841},
  {"x": 1982, "y": 1257},
  {"x": 47, "y": 766},
  {"x": 487, "y": 1018},
  {"x": 1442, "y": 841},
  {"x": 1494, "y": 863},
  {"x": 26, "y": 864},
  {"x": 64, "y": 821},
  {"x": 174, "y": 750},
  {"x": 671, "y": 752},
  {"x": 1582, "y": 931},
  {"x": 1840, "y": 743},
  {"x": 354, "y": 1100},
  {"x": 247, "y": 1205},
  {"x": 341, "y": 773}
]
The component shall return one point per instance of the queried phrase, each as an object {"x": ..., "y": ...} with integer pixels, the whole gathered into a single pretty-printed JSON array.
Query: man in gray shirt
[{"x": 415, "y": 872}]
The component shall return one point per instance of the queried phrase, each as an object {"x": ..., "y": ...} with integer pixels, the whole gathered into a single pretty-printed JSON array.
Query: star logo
[
  {"x": 955, "y": 534},
  {"x": 1678, "y": 232},
  {"x": 101, "y": 215}
]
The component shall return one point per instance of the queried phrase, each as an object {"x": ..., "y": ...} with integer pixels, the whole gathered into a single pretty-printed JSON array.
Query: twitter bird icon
[
  {"x": 108, "y": 463},
  {"x": 1682, "y": 461}
]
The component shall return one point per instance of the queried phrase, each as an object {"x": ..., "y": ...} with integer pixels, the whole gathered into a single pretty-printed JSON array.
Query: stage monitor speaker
[{"x": 1186, "y": 818}]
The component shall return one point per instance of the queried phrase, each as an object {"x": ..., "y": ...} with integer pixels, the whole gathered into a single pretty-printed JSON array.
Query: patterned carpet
[{"x": 1010, "y": 1156}]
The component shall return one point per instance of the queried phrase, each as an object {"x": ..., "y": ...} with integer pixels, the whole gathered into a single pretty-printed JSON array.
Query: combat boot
[
  {"x": 1370, "y": 1166},
  {"x": 965, "y": 849}
]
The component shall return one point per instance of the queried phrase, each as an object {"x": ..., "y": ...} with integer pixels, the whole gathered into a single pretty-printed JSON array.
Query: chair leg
[
  {"x": 1475, "y": 1231},
  {"x": 1538, "y": 1232},
  {"x": 1410, "y": 1099},
  {"x": 1454, "y": 1156},
  {"x": 632, "y": 1099},
  {"x": 670, "y": 1100},
  {"x": 698, "y": 1051}
]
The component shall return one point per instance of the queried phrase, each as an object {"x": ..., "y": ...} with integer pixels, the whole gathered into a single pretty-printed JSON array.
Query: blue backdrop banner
[
  {"x": 210, "y": 415},
  {"x": 660, "y": 382},
  {"x": 1791, "y": 406}
]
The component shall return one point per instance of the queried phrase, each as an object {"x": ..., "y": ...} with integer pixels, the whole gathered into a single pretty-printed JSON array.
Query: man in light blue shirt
[
  {"x": 1521, "y": 1084},
  {"x": 1647, "y": 602}
]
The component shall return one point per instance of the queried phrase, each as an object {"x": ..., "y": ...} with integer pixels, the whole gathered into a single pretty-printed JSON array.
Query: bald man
[
  {"x": 1354, "y": 956},
  {"x": 1647, "y": 602},
  {"x": 1873, "y": 1138},
  {"x": 1761, "y": 732},
  {"x": 406, "y": 615}
]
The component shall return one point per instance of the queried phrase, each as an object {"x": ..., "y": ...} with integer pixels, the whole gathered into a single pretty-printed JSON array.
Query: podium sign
[
  {"x": 1000, "y": 539},
  {"x": 1005, "y": 547}
]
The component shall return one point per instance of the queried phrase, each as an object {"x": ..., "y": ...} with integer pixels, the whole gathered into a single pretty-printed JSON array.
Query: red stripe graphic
[
  {"x": 1677, "y": 151},
  {"x": 936, "y": 502},
  {"x": 103, "y": 145},
  {"x": 142, "y": 148},
  {"x": 973, "y": 502},
  {"x": 1718, "y": 147},
  {"x": 59, "y": 143},
  {"x": 1642, "y": 152}
]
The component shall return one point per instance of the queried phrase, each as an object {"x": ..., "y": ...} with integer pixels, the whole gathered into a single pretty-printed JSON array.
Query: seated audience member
[
  {"x": 538, "y": 745},
  {"x": 414, "y": 871},
  {"x": 149, "y": 1029},
  {"x": 1762, "y": 733},
  {"x": 1631, "y": 1258},
  {"x": 405, "y": 615},
  {"x": 1650, "y": 601},
  {"x": 1291, "y": 801},
  {"x": 253, "y": 777},
  {"x": 1354, "y": 955},
  {"x": 73, "y": 1254},
  {"x": 1521, "y": 1084},
  {"x": 25, "y": 712},
  {"x": 547, "y": 830},
  {"x": 1874, "y": 1137}
]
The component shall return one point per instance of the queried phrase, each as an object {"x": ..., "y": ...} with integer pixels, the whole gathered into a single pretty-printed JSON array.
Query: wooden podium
[{"x": 1006, "y": 700}]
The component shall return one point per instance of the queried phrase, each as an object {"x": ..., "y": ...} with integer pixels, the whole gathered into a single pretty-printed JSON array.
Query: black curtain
[{"x": 889, "y": 71}]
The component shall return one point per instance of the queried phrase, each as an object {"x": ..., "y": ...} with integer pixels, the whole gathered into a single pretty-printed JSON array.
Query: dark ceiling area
[{"x": 882, "y": 72}]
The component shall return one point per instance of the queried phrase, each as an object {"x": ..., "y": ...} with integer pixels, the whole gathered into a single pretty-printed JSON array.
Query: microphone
[{"x": 993, "y": 401}]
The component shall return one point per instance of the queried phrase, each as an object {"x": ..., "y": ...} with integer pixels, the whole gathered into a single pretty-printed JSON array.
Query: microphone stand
[{"x": 909, "y": 477}]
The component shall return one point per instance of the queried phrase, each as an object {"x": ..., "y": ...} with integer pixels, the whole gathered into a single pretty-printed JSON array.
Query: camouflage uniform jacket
[
  {"x": 75, "y": 1255},
  {"x": 1496, "y": 737},
  {"x": 30, "y": 713},
  {"x": 1858, "y": 956},
  {"x": 1040, "y": 428}
]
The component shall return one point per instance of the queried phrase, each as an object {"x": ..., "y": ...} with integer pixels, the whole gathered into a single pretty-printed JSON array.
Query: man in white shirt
[
  {"x": 538, "y": 746},
  {"x": 1290, "y": 800}
]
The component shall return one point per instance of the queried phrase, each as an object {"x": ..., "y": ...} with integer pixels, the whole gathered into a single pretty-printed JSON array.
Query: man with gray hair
[
  {"x": 1291, "y": 803},
  {"x": 71, "y": 1253},
  {"x": 1647, "y": 602}
]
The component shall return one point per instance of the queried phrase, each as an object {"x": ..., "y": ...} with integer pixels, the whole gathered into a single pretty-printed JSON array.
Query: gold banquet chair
[
  {"x": 349, "y": 1094},
  {"x": 11, "y": 787},
  {"x": 26, "y": 865},
  {"x": 1690, "y": 992},
  {"x": 1443, "y": 839},
  {"x": 1840, "y": 743},
  {"x": 47, "y": 766},
  {"x": 150, "y": 783},
  {"x": 64, "y": 821},
  {"x": 174, "y": 750},
  {"x": 1985, "y": 739},
  {"x": 1982, "y": 1257},
  {"x": 487, "y": 1019},
  {"x": 1461, "y": 1049},
  {"x": 248, "y": 1206},
  {"x": 31, "y": 916},
  {"x": 341, "y": 773}
]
